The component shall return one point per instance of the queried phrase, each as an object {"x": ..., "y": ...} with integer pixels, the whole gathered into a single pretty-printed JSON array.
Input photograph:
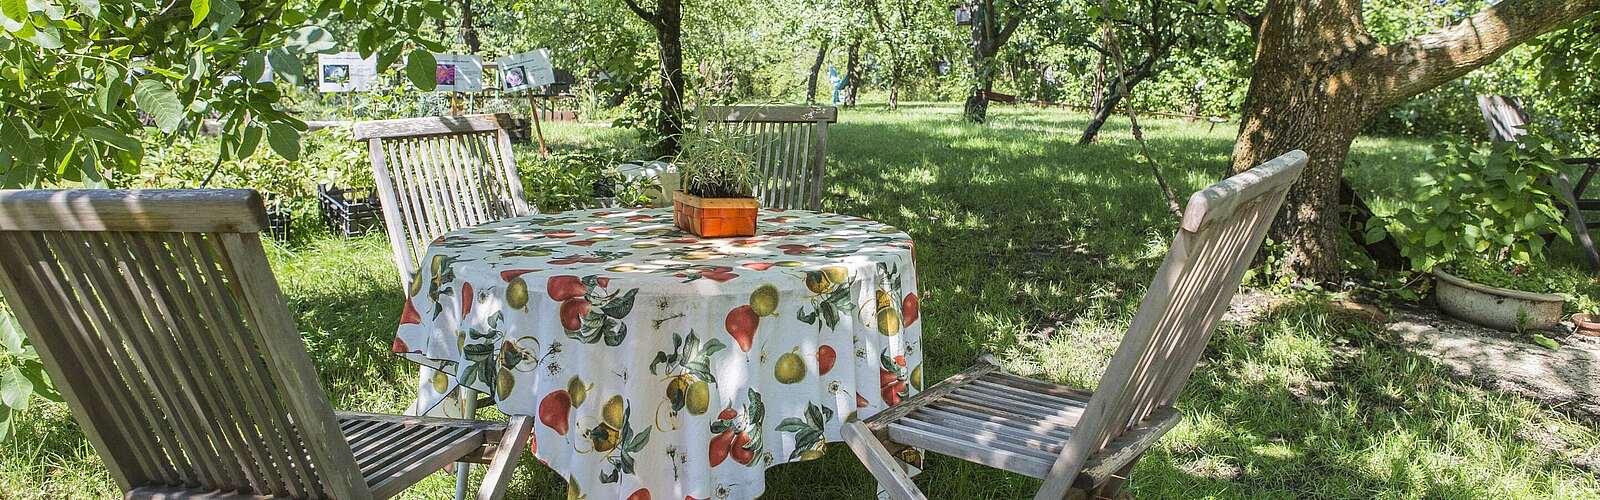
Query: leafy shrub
[
  {"x": 572, "y": 179},
  {"x": 328, "y": 156},
  {"x": 22, "y": 374},
  {"x": 1481, "y": 210}
]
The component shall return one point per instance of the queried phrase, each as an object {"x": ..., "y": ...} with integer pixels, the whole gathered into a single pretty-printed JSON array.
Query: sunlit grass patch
[{"x": 1038, "y": 251}]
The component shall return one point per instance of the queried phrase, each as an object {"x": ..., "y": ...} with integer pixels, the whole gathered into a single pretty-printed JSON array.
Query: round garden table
[{"x": 661, "y": 365}]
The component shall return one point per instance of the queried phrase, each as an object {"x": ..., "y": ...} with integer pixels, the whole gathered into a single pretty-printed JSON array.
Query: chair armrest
[{"x": 1126, "y": 448}]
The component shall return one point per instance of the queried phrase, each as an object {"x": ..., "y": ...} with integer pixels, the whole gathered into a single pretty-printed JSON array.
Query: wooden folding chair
[
  {"x": 156, "y": 314},
  {"x": 1507, "y": 119},
  {"x": 436, "y": 175},
  {"x": 790, "y": 144},
  {"x": 439, "y": 174},
  {"x": 1084, "y": 443}
]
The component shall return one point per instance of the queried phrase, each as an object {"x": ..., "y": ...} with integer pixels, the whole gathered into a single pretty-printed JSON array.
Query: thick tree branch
[
  {"x": 1413, "y": 66},
  {"x": 649, "y": 17},
  {"x": 1252, "y": 21},
  {"x": 1010, "y": 27}
]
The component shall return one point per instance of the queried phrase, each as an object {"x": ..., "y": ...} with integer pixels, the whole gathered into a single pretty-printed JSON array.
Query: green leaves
[
  {"x": 285, "y": 140},
  {"x": 312, "y": 40},
  {"x": 15, "y": 10},
  {"x": 287, "y": 65},
  {"x": 157, "y": 99},
  {"x": 255, "y": 67},
  {"x": 225, "y": 14},
  {"x": 201, "y": 9},
  {"x": 22, "y": 377},
  {"x": 1488, "y": 206},
  {"x": 420, "y": 66},
  {"x": 114, "y": 139}
]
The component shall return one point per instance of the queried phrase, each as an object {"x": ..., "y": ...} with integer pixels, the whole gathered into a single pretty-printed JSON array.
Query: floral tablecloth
[{"x": 661, "y": 365}]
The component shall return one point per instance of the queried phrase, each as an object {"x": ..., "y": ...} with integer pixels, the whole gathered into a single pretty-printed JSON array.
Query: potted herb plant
[
  {"x": 1479, "y": 221},
  {"x": 719, "y": 180}
]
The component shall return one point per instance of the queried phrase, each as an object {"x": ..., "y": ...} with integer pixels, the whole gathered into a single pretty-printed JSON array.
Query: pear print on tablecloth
[
  {"x": 830, "y": 287},
  {"x": 624, "y": 337},
  {"x": 687, "y": 371}
]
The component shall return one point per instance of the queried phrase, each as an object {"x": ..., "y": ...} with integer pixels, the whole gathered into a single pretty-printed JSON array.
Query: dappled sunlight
[{"x": 1037, "y": 250}]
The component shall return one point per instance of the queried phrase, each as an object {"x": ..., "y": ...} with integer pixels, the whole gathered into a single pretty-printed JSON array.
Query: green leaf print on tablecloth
[
  {"x": 588, "y": 312},
  {"x": 689, "y": 372},
  {"x": 808, "y": 438}
]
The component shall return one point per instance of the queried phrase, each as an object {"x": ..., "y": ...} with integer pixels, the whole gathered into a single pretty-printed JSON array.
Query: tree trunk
[
  {"x": 852, "y": 74},
  {"x": 469, "y": 29},
  {"x": 1099, "y": 92},
  {"x": 816, "y": 67},
  {"x": 1102, "y": 112},
  {"x": 1318, "y": 77},
  {"x": 1113, "y": 98},
  {"x": 669, "y": 35},
  {"x": 976, "y": 109}
]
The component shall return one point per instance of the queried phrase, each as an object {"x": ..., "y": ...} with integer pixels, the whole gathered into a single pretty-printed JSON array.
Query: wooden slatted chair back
[
  {"x": 1222, "y": 227},
  {"x": 158, "y": 318},
  {"x": 439, "y": 174},
  {"x": 1504, "y": 115},
  {"x": 790, "y": 144}
]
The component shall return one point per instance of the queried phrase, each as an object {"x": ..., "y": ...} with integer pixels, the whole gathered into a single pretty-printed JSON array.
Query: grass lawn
[{"x": 1037, "y": 250}]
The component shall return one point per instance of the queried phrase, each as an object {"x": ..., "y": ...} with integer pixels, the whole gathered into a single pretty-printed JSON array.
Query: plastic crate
[
  {"x": 349, "y": 212},
  {"x": 279, "y": 218}
]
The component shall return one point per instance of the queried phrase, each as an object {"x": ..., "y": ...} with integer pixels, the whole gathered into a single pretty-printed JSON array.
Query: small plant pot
[
  {"x": 714, "y": 217},
  {"x": 1494, "y": 307},
  {"x": 1587, "y": 324}
]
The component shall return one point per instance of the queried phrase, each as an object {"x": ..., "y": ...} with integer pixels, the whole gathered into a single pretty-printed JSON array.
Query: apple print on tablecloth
[
  {"x": 523, "y": 355},
  {"x": 719, "y": 274},
  {"x": 588, "y": 312},
  {"x": 510, "y": 265},
  {"x": 688, "y": 375},
  {"x": 895, "y": 381},
  {"x": 809, "y": 442},
  {"x": 738, "y": 435}
]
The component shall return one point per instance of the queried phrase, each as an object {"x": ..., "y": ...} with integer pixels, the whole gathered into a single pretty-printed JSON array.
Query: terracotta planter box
[
  {"x": 714, "y": 217},
  {"x": 1494, "y": 307}
]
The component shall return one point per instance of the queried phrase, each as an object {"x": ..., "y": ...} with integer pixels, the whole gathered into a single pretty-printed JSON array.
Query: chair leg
[
  {"x": 505, "y": 458},
  {"x": 1112, "y": 489},
  {"x": 883, "y": 465},
  {"x": 469, "y": 404}
]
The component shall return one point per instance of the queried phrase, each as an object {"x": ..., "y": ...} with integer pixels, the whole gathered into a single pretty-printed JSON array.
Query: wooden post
[{"x": 538, "y": 131}]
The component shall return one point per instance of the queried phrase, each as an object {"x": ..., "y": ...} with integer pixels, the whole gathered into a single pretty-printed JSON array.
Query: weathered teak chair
[
  {"x": 439, "y": 174},
  {"x": 790, "y": 144},
  {"x": 1506, "y": 120},
  {"x": 436, "y": 175},
  {"x": 1077, "y": 440},
  {"x": 158, "y": 318}
]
